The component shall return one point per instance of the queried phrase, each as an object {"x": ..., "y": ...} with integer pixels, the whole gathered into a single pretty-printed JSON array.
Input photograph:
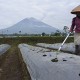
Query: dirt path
[{"x": 12, "y": 66}]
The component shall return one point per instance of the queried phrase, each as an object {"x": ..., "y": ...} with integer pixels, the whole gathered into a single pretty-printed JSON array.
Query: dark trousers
[{"x": 77, "y": 49}]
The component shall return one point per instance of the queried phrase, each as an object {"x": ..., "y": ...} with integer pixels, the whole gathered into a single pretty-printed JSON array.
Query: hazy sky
[{"x": 54, "y": 12}]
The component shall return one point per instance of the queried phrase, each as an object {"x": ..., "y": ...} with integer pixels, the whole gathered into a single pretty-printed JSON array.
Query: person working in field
[{"x": 76, "y": 28}]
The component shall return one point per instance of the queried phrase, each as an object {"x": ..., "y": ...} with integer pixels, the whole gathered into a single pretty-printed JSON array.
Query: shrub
[{"x": 33, "y": 40}]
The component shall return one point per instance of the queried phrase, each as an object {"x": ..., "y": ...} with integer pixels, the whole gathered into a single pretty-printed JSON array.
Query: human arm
[{"x": 72, "y": 26}]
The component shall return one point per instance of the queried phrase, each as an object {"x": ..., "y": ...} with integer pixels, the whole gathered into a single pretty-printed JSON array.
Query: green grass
[{"x": 34, "y": 40}]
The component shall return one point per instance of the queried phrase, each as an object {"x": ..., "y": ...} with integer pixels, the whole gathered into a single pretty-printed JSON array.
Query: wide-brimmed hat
[{"x": 76, "y": 10}]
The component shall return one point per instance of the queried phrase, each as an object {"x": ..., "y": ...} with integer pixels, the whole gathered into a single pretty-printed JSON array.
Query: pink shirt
[{"x": 75, "y": 25}]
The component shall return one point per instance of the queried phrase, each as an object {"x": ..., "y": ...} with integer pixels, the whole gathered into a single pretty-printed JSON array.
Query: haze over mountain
[{"x": 29, "y": 26}]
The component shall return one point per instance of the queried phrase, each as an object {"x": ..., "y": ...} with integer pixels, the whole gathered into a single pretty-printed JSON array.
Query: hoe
[
  {"x": 64, "y": 41},
  {"x": 56, "y": 59}
]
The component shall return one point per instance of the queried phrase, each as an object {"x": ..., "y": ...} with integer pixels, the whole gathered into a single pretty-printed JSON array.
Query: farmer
[{"x": 76, "y": 28}]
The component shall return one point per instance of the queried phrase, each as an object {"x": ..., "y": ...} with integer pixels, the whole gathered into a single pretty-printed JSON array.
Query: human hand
[{"x": 70, "y": 31}]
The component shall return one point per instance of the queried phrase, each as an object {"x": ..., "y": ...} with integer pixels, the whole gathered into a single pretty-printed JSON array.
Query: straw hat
[{"x": 76, "y": 10}]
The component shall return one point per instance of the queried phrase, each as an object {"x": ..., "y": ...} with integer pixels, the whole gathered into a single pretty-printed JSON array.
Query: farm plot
[
  {"x": 70, "y": 47},
  {"x": 42, "y": 65},
  {"x": 4, "y": 48}
]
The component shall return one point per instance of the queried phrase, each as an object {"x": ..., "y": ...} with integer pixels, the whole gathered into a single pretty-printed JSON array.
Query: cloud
[{"x": 53, "y": 12}]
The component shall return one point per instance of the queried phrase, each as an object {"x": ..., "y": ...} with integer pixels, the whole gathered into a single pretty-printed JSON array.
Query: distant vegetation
[
  {"x": 18, "y": 38},
  {"x": 34, "y": 40},
  {"x": 57, "y": 33}
]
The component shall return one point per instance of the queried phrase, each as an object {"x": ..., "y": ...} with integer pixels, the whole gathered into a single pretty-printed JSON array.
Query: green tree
[
  {"x": 66, "y": 30},
  {"x": 19, "y": 32},
  {"x": 43, "y": 34},
  {"x": 57, "y": 33}
]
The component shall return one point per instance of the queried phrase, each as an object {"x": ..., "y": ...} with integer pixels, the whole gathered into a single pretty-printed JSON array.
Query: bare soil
[{"x": 12, "y": 66}]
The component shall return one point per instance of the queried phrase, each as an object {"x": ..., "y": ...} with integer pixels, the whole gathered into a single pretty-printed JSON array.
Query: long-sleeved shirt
[{"x": 75, "y": 25}]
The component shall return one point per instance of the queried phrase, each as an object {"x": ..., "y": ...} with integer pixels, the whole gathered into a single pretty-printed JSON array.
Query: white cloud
[{"x": 53, "y": 12}]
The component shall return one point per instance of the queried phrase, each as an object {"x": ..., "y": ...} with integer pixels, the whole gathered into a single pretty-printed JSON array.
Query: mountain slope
[{"x": 30, "y": 26}]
